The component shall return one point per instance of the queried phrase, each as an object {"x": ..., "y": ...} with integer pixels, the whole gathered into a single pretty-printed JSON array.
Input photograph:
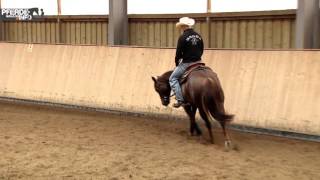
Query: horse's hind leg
[
  {"x": 223, "y": 119},
  {"x": 208, "y": 124},
  {"x": 227, "y": 142},
  {"x": 191, "y": 111},
  {"x": 225, "y": 133}
]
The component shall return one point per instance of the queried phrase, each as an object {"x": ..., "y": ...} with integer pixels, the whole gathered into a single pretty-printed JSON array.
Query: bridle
[{"x": 166, "y": 98}]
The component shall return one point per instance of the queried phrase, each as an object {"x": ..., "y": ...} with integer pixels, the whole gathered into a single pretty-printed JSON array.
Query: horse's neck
[{"x": 166, "y": 76}]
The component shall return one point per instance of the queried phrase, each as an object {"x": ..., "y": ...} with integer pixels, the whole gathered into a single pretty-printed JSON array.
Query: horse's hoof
[
  {"x": 228, "y": 145},
  {"x": 194, "y": 134},
  {"x": 212, "y": 142}
]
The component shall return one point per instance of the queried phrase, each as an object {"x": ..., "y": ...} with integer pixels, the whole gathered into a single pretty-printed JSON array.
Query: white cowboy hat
[{"x": 186, "y": 21}]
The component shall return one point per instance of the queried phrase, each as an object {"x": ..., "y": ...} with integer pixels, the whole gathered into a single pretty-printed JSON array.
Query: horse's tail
[
  {"x": 222, "y": 117},
  {"x": 213, "y": 104}
]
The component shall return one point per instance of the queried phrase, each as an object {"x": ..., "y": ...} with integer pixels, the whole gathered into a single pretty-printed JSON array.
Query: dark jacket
[{"x": 190, "y": 47}]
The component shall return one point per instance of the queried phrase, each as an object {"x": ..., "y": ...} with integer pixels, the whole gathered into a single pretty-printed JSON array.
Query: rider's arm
[
  {"x": 179, "y": 52},
  {"x": 201, "y": 46}
]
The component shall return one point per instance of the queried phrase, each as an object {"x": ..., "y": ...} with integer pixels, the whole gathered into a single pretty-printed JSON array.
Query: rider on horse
[{"x": 189, "y": 51}]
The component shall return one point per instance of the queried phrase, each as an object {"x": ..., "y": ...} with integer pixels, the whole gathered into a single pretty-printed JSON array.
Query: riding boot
[{"x": 178, "y": 104}]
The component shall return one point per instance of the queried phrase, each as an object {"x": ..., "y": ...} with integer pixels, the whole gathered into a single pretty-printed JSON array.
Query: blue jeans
[{"x": 174, "y": 80}]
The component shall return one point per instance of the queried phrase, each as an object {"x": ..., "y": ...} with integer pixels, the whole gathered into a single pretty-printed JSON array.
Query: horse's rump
[{"x": 203, "y": 88}]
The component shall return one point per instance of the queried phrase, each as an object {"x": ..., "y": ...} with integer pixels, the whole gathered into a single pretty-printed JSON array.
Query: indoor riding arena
[{"x": 76, "y": 105}]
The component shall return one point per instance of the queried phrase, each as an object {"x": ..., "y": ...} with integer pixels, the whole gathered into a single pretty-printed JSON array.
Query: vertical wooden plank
[
  {"x": 286, "y": 34},
  {"x": 138, "y": 34},
  {"x": 15, "y": 26},
  {"x": 78, "y": 33},
  {"x": 220, "y": 34},
  {"x": 243, "y": 34},
  {"x": 10, "y": 31},
  {"x": 94, "y": 33},
  {"x": 267, "y": 42},
  {"x": 58, "y": 31},
  {"x": 170, "y": 34},
  {"x": 72, "y": 33},
  {"x": 105, "y": 33},
  {"x": 53, "y": 32},
  {"x": 63, "y": 32},
  {"x": 6, "y": 31},
  {"x": 151, "y": 34},
  {"x": 20, "y": 32},
  {"x": 177, "y": 34},
  {"x": 259, "y": 34},
  {"x": 48, "y": 32},
  {"x": 34, "y": 32},
  {"x": 197, "y": 27},
  {"x": 2, "y": 31},
  {"x": 144, "y": 34},
  {"x": 157, "y": 34},
  {"x": 293, "y": 33},
  {"x": 251, "y": 40},
  {"x": 227, "y": 34},
  {"x": 163, "y": 31},
  {"x": 276, "y": 34},
  {"x": 88, "y": 32},
  {"x": 82, "y": 33},
  {"x": 132, "y": 33},
  {"x": 99, "y": 33},
  {"x": 29, "y": 26},
  {"x": 68, "y": 33},
  {"x": 3, "y": 34},
  {"x": 38, "y": 32},
  {"x": 205, "y": 33},
  {"x": 43, "y": 32},
  {"x": 25, "y": 32},
  {"x": 213, "y": 36},
  {"x": 13, "y": 31},
  {"x": 234, "y": 34}
]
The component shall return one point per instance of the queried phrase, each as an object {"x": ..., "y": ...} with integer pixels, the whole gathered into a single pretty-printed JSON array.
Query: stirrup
[{"x": 179, "y": 104}]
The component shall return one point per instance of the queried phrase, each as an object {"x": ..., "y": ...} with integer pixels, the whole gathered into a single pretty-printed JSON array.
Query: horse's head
[{"x": 162, "y": 87}]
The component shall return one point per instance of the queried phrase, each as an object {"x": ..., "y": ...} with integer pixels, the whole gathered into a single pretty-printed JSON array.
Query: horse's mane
[{"x": 165, "y": 76}]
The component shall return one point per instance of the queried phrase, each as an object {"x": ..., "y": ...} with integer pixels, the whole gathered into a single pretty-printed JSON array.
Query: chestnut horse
[{"x": 202, "y": 91}]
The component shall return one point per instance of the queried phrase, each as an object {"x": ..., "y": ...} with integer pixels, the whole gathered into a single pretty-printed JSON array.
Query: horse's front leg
[{"x": 191, "y": 111}]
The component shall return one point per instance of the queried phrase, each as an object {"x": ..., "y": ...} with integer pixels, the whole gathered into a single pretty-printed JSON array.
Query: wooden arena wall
[
  {"x": 267, "y": 89},
  {"x": 266, "y": 29}
]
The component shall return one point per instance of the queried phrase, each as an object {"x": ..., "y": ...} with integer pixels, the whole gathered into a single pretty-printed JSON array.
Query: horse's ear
[{"x": 154, "y": 79}]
